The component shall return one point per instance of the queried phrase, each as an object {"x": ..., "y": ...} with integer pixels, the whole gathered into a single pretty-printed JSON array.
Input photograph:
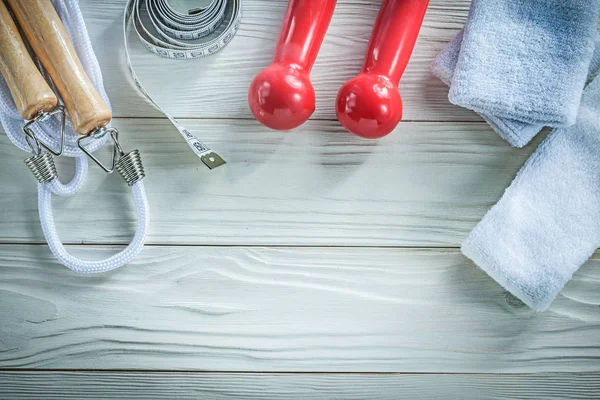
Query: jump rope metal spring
[
  {"x": 42, "y": 166},
  {"x": 130, "y": 167}
]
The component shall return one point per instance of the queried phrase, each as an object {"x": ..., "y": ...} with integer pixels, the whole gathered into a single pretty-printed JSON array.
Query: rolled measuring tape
[{"x": 162, "y": 30}]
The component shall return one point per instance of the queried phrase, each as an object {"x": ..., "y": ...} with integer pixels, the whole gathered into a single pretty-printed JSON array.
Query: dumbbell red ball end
[
  {"x": 281, "y": 96},
  {"x": 369, "y": 105}
]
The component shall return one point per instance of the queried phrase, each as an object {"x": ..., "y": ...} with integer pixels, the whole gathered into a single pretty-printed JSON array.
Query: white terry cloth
[{"x": 547, "y": 223}]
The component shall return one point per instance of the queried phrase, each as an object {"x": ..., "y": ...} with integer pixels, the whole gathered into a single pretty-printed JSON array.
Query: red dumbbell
[
  {"x": 281, "y": 96},
  {"x": 369, "y": 105}
]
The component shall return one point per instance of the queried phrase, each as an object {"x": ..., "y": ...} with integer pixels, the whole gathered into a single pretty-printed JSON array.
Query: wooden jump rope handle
[
  {"x": 51, "y": 43},
  {"x": 27, "y": 86}
]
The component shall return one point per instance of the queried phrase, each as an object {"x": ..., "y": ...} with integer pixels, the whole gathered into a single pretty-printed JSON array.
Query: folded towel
[
  {"x": 547, "y": 223},
  {"x": 517, "y": 133},
  {"x": 521, "y": 64}
]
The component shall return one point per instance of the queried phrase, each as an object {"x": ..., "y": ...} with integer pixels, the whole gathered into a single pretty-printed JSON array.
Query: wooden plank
[
  {"x": 217, "y": 87},
  {"x": 222, "y": 386},
  {"x": 288, "y": 309},
  {"x": 426, "y": 185}
]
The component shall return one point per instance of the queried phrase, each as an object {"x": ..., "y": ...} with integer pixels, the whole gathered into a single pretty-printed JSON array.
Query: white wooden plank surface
[
  {"x": 217, "y": 86},
  {"x": 426, "y": 185},
  {"x": 211, "y": 386},
  {"x": 286, "y": 309},
  {"x": 197, "y": 308}
]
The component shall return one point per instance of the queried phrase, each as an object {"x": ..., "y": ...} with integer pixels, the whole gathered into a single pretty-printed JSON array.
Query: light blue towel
[
  {"x": 517, "y": 133},
  {"x": 547, "y": 223},
  {"x": 521, "y": 65}
]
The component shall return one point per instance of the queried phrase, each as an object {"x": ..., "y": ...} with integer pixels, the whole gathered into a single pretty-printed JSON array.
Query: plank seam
[
  {"x": 249, "y": 372},
  {"x": 272, "y": 246},
  {"x": 413, "y": 121}
]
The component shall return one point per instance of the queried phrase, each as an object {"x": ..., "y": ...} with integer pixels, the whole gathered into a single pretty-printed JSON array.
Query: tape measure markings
[{"x": 172, "y": 27}]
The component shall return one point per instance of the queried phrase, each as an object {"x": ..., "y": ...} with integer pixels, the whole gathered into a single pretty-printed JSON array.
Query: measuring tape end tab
[{"x": 212, "y": 160}]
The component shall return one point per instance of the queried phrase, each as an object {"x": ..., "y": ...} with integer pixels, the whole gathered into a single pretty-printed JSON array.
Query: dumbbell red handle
[
  {"x": 282, "y": 96},
  {"x": 369, "y": 105},
  {"x": 49, "y": 39}
]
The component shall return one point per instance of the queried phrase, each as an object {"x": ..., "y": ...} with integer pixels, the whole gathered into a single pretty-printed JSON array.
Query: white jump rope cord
[
  {"x": 48, "y": 132},
  {"x": 92, "y": 267}
]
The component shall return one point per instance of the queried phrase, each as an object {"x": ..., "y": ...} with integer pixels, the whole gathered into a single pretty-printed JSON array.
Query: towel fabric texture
[
  {"x": 547, "y": 223},
  {"x": 521, "y": 65}
]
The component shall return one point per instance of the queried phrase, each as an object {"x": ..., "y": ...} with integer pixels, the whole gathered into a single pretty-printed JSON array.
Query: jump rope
[
  {"x": 36, "y": 122},
  {"x": 59, "y": 107}
]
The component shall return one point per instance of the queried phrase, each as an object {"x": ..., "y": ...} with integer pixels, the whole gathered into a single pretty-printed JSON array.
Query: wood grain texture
[
  {"x": 30, "y": 92},
  {"x": 311, "y": 309},
  {"x": 211, "y": 386},
  {"x": 287, "y": 309},
  {"x": 217, "y": 86},
  {"x": 426, "y": 185},
  {"x": 51, "y": 43}
]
